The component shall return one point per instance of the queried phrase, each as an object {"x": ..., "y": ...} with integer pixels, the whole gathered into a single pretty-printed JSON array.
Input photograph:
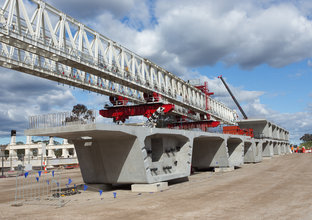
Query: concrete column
[
  {"x": 42, "y": 151},
  {"x": 51, "y": 141},
  {"x": 12, "y": 153},
  {"x": 28, "y": 154},
  {"x": 28, "y": 140},
  {"x": 65, "y": 152},
  {"x": 51, "y": 153}
]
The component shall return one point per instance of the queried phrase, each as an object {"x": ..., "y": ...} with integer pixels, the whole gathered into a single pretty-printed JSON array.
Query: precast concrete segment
[
  {"x": 217, "y": 151},
  {"x": 210, "y": 150},
  {"x": 276, "y": 148},
  {"x": 259, "y": 144},
  {"x": 283, "y": 148},
  {"x": 267, "y": 148},
  {"x": 117, "y": 154},
  {"x": 252, "y": 150},
  {"x": 120, "y": 154},
  {"x": 265, "y": 129},
  {"x": 235, "y": 146}
]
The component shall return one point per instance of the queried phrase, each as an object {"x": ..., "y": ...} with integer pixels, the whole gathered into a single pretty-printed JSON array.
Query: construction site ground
[{"x": 277, "y": 188}]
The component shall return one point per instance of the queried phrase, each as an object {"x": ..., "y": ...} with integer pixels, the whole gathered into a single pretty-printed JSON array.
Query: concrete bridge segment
[{"x": 120, "y": 154}]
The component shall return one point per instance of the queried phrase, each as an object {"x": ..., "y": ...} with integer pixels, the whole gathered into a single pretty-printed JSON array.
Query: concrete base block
[
  {"x": 154, "y": 187},
  {"x": 223, "y": 169},
  {"x": 266, "y": 158}
]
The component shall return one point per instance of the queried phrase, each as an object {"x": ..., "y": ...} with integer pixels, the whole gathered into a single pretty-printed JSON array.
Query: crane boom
[{"x": 233, "y": 97}]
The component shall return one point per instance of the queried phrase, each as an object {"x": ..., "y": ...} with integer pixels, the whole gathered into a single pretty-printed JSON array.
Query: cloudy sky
[{"x": 262, "y": 48}]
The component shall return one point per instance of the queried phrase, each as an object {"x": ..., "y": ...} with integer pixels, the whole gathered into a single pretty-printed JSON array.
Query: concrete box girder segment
[
  {"x": 276, "y": 148},
  {"x": 210, "y": 151},
  {"x": 117, "y": 154},
  {"x": 264, "y": 129},
  {"x": 235, "y": 146},
  {"x": 259, "y": 144},
  {"x": 267, "y": 148},
  {"x": 252, "y": 151},
  {"x": 271, "y": 134},
  {"x": 261, "y": 127}
]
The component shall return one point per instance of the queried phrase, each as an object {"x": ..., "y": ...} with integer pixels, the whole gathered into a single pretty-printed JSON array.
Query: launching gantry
[{"x": 47, "y": 43}]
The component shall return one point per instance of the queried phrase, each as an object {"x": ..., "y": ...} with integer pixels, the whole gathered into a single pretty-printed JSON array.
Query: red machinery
[
  {"x": 118, "y": 100},
  {"x": 203, "y": 125},
  {"x": 238, "y": 131},
  {"x": 120, "y": 111}
]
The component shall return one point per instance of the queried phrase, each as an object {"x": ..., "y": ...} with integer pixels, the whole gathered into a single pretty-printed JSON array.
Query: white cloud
[
  {"x": 245, "y": 34},
  {"x": 23, "y": 95},
  {"x": 89, "y": 9},
  {"x": 187, "y": 34}
]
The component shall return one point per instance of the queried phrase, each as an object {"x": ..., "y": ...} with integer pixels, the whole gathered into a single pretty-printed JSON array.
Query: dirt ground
[{"x": 277, "y": 188}]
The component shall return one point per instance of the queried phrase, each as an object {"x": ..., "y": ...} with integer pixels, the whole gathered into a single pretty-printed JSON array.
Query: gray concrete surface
[{"x": 120, "y": 154}]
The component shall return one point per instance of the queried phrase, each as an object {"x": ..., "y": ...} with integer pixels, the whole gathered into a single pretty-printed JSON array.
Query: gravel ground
[{"x": 277, "y": 188}]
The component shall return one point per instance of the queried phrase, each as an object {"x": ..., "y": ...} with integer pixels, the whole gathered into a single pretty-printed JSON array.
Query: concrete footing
[
  {"x": 154, "y": 187},
  {"x": 223, "y": 169}
]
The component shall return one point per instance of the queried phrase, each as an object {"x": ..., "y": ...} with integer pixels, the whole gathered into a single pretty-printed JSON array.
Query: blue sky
[
  {"x": 262, "y": 48},
  {"x": 286, "y": 89}
]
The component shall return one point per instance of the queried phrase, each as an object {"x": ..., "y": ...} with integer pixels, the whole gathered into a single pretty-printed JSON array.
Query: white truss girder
[{"x": 53, "y": 45}]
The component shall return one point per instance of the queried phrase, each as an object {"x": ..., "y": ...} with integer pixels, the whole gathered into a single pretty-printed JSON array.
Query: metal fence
[
  {"x": 61, "y": 119},
  {"x": 39, "y": 187}
]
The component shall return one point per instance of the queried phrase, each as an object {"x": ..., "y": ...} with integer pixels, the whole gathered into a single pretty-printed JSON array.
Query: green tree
[{"x": 80, "y": 113}]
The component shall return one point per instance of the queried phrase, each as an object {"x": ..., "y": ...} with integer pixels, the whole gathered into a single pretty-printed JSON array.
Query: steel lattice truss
[{"x": 48, "y": 43}]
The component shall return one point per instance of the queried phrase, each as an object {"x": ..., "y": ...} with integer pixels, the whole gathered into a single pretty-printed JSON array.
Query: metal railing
[{"x": 61, "y": 119}]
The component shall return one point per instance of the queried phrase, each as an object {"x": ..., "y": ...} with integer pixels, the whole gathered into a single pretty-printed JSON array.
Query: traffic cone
[{"x": 44, "y": 167}]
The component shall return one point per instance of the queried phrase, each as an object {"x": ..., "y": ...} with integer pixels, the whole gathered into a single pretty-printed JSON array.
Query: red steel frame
[
  {"x": 238, "y": 131},
  {"x": 203, "y": 125},
  {"x": 121, "y": 113},
  {"x": 205, "y": 90}
]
